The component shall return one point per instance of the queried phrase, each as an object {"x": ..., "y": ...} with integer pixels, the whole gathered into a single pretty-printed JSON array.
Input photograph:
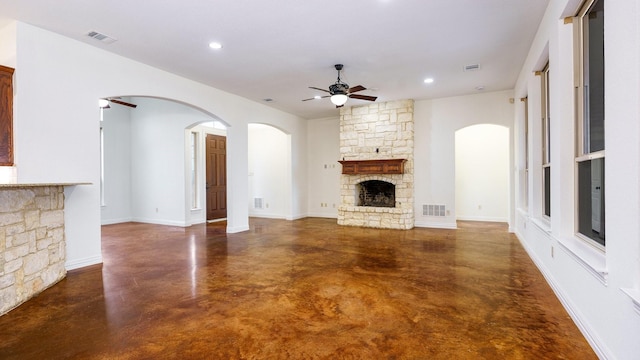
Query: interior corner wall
[
  {"x": 324, "y": 170},
  {"x": 435, "y": 124}
]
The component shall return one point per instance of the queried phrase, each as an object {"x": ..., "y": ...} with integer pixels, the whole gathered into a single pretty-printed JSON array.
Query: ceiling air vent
[
  {"x": 472, "y": 67},
  {"x": 101, "y": 37}
]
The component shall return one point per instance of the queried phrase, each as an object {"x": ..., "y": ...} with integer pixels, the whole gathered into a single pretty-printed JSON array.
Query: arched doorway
[
  {"x": 270, "y": 176},
  {"x": 145, "y": 162},
  {"x": 482, "y": 173}
]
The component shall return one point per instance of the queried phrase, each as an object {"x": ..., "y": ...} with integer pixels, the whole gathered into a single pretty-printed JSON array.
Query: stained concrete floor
[{"x": 304, "y": 289}]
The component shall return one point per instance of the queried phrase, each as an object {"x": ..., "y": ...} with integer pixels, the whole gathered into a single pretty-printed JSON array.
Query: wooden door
[{"x": 216, "y": 177}]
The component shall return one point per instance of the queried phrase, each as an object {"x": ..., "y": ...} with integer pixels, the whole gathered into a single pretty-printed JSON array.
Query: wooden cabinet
[
  {"x": 6, "y": 116},
  {"x": 359, "y": 167}
]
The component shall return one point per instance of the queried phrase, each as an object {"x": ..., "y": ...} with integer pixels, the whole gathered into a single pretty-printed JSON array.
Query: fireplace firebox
[{"x": 376, "y": 193}]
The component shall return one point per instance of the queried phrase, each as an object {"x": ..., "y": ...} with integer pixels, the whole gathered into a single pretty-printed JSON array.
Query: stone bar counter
[{"x": 32, "y": 240}]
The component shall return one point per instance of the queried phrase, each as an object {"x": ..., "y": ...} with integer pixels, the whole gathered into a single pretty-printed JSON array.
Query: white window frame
[
  {"x": 583, "y": 153},
  {"x": 525, "y": 189},
  {"x": 546, "y": 141}
]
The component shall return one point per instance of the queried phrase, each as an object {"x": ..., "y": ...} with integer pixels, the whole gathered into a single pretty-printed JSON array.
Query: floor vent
[
  {"x": 257, "y": 203},
  {"x": 433, "y": 210}
]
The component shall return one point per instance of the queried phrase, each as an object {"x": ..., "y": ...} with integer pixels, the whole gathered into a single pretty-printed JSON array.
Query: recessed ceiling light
[
  {"x": 428, "y": 80},
  {"x": 317, "y": 97},
  {"x": 215, "y": 45}
]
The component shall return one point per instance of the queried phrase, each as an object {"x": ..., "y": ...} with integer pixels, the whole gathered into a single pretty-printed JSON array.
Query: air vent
[
  {"x": 433, "y": 210},
  {"x": 257, "y": 203},
  {"x": 472, "y": 67},
  {"x": 101, "y": 37}
]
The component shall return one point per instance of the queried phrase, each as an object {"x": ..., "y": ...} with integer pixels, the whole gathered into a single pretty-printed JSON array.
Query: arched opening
[
  {"x": 482, "y": 173},
  {"x": 270, "y": 176},
  {"x": 146, "y": 162}
]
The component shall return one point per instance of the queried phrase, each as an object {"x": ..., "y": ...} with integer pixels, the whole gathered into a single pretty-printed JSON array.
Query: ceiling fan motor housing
[{"x": 339, "y": 88}]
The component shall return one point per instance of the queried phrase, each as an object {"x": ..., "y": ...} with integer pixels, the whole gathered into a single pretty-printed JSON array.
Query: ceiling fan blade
[
  {"x": 120, "y": 102},
  {"x": 356, "y": 89},
  {"x": 311, "y": 87},
  {"x": 363, "y": 97},
  {"x": 316, "y": 98}
]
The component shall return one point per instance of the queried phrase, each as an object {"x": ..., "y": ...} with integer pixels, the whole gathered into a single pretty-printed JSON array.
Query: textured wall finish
[
  {"x": 32, "y": 244},
  {"x": 372, "y": 132}
]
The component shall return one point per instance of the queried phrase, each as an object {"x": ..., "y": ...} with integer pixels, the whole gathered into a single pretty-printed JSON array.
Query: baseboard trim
[
  {"x": 80, "y": 263},
  {"x": 598, "y": 346},
  {"x": 425, "y": 224}
]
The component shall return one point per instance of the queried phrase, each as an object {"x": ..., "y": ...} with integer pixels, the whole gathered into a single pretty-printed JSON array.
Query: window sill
[
  {"x": 634, "y": 294},
  {"x": 542, "y": 224},
  {"x": 592, "y": 259}
]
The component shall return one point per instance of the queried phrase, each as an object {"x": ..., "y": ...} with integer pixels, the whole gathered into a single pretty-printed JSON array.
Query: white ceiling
[{"x": 277, "y": 49}]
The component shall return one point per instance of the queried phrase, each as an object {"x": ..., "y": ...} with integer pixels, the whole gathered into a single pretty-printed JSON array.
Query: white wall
[
  {"x": 58, "y": 82},
  {"x": 482, "y": 173},
  {"x": 269, "y": 171},
  {"x": 8, "y": 45},
  {"x": 324, "y": 169},
  {"x": 116, "y": 126},
  {"x": 436, "y": 122},
  {"x": 600, "y": 289}
]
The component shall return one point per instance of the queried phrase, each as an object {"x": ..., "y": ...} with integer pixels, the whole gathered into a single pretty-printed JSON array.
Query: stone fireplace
[{"x": 376, "y": 148}]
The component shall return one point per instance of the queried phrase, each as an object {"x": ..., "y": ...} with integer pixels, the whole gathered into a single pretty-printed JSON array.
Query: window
[
  {"x": 525, "y": 181},
  {"x": 590, "y": 159},
  {"x": 546, "y": 144},
  {"x": 193, "y": 169}
]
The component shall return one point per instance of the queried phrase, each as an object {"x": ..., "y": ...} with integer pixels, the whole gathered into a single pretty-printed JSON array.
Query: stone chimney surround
[{"x": 384, "y": 132}]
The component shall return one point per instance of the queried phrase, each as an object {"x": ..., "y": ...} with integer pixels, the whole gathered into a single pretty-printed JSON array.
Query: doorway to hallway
[{"x": 216, "y": 179}]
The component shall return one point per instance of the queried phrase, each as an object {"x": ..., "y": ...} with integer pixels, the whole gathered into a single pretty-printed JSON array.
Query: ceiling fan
[
  {"x": 104, "y": 103},
  {"x": 340, "y": 91}
]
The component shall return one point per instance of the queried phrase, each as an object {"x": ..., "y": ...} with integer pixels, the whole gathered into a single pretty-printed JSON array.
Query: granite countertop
[{"x": 23, "y": 185}]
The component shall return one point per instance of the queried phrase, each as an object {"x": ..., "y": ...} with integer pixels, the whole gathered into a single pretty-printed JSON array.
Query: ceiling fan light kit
[
  {"x": 340, "y": 92},
  {"x": 339, "y": 99}
]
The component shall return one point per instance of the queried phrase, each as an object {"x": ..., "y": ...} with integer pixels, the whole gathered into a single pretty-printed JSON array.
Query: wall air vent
[
  {"x": 433, "y": 210},
  {"x": 257, "y": 203},
  {"x": 472, "y": 67},
  {"x": 101, "y": 37}
]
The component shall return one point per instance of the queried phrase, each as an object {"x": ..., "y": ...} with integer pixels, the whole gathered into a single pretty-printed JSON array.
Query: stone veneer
[
  {"x": 32, "y": 241},
  {"x": 372, "y": 132}
]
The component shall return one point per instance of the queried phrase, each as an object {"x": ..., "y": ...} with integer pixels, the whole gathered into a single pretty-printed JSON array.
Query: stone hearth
[{"x": 378, "y": 131}]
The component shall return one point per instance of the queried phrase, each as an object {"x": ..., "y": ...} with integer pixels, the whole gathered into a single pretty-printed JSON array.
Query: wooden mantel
[{"x": 382, "y": 166}]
